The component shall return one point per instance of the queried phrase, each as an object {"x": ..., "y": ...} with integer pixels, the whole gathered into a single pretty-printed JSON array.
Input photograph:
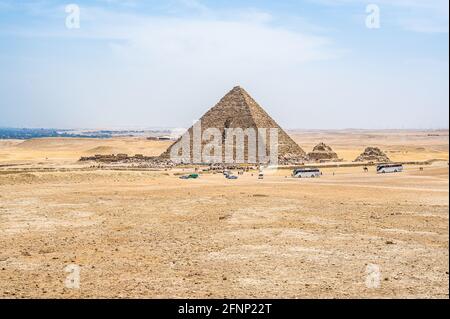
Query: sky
[{"x": 311, "y": 64}]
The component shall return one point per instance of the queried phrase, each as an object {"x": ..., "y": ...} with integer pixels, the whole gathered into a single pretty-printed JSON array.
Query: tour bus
[
  {"x": 306, "y": 173},
  {"x": 389, "y": 168}
]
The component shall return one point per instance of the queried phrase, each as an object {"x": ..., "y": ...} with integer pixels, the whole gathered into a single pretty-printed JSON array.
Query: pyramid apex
[{"x": 239, "y": 89}]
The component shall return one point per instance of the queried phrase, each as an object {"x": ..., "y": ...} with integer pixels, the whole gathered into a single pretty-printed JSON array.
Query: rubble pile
[{"x": 141, "y": 160}]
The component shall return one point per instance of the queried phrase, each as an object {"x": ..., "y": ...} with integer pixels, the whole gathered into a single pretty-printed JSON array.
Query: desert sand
[{"x": 148, "y": 234}]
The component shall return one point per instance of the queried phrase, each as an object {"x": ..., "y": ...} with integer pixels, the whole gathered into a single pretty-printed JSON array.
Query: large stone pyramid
[{"x": 238, "y": 109}]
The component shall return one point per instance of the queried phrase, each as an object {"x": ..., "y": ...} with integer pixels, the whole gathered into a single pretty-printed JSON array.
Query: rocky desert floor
[{"x": 148, "y": 234}]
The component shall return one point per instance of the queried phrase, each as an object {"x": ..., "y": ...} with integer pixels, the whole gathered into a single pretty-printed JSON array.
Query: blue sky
[{"x": 310, "y": 63}]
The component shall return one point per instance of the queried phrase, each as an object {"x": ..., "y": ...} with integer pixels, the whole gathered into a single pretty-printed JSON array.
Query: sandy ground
[
  {"x": 150, "y": 234},
  {"x": 60, "y": 151},
  {"x": 399, "y": 146}
]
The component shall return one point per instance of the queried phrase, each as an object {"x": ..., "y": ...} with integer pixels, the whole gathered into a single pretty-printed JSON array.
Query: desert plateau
[{"x": 145, "y": 233}]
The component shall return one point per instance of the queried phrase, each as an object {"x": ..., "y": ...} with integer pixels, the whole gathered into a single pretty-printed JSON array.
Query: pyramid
[
  {"x": 238, "y": 109},
  {"x": 322, "y": 153},
  {"x": 373, "y": 154}
]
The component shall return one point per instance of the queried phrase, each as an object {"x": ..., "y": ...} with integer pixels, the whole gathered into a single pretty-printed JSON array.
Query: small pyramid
[
  {"x": 238, "y": 109},
  {"x": 373, "y": 154},
  {"x": 322, "y": 153}
]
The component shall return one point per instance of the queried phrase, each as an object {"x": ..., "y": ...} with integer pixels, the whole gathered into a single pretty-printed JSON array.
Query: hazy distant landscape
[{"x": 29, "y": 133}]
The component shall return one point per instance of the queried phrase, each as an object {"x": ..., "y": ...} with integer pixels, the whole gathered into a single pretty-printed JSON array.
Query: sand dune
[
  {"x": 70, "y": 150},
  {"x": 104, "y": 150}
]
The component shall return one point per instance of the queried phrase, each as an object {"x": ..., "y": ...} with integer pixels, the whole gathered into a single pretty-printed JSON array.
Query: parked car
[{"x": 191, "y": 176}]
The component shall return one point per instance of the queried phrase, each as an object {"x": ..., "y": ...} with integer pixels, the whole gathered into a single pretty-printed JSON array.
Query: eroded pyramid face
[{"x": 236, "y": 111}]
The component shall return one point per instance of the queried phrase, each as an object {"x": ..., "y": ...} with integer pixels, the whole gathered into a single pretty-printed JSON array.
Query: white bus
[
  {"x": 389, "y": 168},
  {"x": 306, "y": 173}
]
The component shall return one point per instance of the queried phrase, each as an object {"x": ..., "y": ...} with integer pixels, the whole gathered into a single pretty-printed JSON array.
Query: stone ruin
[
  {"x": 110, "y": 158},
  {"x": 373, "y": 154},
  {"x": 323, "y": 153},
  {"x": 238, "y": 109},
  {"x": 149, "y": 161}
]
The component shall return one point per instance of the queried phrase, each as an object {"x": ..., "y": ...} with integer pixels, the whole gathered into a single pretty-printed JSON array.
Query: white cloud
[
  {"x": 166, "y": 71},
  {"x": 247, "y": 38},
  {"x": 426, "y": 16},
  {"x": 150, "y": 62},
  {"x": 226, "y": 43}
]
